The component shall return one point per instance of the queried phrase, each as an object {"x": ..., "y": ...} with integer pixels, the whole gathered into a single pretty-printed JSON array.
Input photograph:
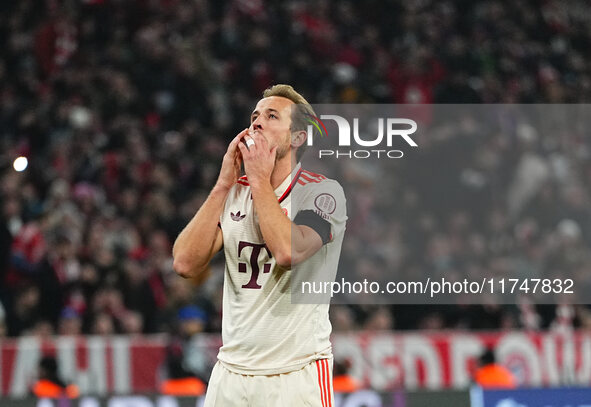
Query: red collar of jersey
[{"x": 290, "y": 187}]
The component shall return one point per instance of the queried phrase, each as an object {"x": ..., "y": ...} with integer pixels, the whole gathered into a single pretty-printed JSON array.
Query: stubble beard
[{"x": 284, "y": 149}]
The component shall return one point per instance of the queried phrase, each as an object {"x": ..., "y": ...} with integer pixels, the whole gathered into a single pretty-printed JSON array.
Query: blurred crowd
[
  {"x": 124, "y": 109},
  {"x": 498, "y": 192}
]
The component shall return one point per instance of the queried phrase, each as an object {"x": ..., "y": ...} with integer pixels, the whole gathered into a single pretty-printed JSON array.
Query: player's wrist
[
  {"x": 257, "y": 184},
  {"x": 221, "y": 187}
]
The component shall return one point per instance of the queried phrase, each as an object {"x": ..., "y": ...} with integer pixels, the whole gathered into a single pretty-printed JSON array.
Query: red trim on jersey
[
  {"x": 313, "y": 174},
  {"x": 308, "y": 176},
  {"x": 327, "y": 382},
  {"x": 290, "y": 187},
  {"x": 322, "y": 396},
  {"x": 310, "y": 179},
  {"x": 243, "y": 180}
]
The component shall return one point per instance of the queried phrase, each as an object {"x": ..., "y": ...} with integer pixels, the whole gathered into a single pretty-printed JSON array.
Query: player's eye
[{"x": 272, "y": 116}]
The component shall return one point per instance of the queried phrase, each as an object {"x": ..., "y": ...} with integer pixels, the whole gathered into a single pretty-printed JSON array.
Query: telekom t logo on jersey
[{"x": 254, "y": 263}]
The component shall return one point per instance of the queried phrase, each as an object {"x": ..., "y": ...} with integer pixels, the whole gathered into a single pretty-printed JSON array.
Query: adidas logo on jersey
[{"x": 237, "y": 217}]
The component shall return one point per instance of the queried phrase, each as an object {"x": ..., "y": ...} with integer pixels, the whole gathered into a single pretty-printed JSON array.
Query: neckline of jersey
[{"x": 291, "y": 185}]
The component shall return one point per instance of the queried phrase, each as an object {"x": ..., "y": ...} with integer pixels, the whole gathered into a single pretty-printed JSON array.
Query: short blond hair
[{"x": 300, "y": 116}]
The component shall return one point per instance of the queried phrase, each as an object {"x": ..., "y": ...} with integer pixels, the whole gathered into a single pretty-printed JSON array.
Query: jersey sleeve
[{"x": 323, "y": 207}]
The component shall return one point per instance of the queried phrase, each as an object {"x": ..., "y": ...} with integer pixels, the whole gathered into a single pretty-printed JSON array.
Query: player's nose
[{"x": 257, "y": 123}]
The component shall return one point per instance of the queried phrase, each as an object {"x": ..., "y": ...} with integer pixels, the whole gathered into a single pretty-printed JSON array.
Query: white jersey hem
[{"x": 273, "y": 371}]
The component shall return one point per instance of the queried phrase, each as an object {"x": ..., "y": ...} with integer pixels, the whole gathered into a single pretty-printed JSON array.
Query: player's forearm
[
  {"x": 193, "y": 248},
  {"x": 276, "y": 228}
]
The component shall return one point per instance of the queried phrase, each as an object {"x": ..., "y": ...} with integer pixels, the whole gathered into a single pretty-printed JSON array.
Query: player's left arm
[{"x": 289, "y": 243}]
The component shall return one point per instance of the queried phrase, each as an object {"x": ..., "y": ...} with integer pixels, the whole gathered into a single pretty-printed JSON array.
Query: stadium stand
[{"x": 124, "y": 109}]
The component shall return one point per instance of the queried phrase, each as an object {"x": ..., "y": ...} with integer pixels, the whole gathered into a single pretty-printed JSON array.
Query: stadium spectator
[
  {"x": 342, "y": 381},
  {"x": 70, "y": 323},
  {"x": 491, "y": 375},
  {"x": 191, "y": 322},
  {"x": 180, "y": 381},
  {"x": 49, "y": 384},
  {"x": 25, "y": 312}
]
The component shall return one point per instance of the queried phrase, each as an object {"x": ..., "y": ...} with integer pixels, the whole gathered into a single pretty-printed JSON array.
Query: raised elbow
[
  {"x": 284, "y": 259},
  {"x": 184, "y": 269}
]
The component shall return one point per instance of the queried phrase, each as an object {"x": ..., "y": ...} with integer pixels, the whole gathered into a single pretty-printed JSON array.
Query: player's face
[{"x": 272, "y": 119}]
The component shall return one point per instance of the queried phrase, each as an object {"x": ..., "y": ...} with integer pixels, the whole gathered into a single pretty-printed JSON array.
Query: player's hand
[
  {"x": 259, "y": 158},
  {"x": 231, "y": 163}
]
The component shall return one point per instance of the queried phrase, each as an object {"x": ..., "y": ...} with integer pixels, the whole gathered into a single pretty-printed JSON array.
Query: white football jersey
[{"x": 263, "y": 332}]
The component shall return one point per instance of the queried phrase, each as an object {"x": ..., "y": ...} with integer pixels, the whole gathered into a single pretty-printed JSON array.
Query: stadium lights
[{"x": 20, "y": 164}]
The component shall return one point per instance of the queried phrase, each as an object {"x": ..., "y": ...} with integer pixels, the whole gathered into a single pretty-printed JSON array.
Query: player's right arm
[{"x": 201, "y": 239}]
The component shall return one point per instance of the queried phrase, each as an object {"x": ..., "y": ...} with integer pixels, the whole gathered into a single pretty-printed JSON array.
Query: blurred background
[{"x": 123, "y": 110}]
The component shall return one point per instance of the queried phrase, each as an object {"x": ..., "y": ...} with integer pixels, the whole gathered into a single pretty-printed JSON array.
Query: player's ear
[{"x": 298, "y": 138}]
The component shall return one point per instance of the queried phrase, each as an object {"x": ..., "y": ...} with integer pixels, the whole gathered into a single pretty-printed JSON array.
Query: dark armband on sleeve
[{"x": 312, "y": 219}]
